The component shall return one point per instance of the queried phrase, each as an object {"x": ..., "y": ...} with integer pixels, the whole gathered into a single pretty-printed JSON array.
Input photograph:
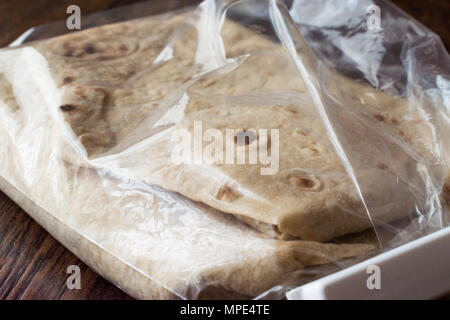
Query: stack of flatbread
[{"x": 86, "y": 141}]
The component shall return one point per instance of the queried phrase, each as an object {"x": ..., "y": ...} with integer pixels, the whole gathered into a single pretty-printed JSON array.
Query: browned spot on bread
[
  {"x": 394, "y": 121},
  {"x": 379, "y": 117},
  {"x": 67, "y": 107},
  {"x": 68, "y": 80},
  {"x": 101, "y": 90},
  {"x": 304, "y": 182},
  {"x": 292, "y": 110},
  {"x": 80, "y": 91},
  {"x": 228, "y": 192},
  {"x": 79, "y": 51},
  {"x": 244, "y": 137},
  {"x": 302, "y": 132},
  {"x": 403, "y": 135},
  {"x": 89, "y": 48}
]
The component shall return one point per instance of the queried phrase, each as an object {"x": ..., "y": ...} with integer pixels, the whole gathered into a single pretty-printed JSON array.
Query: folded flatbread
[
  {"x": 73, "y": 91},
  {"x": 127, "y": 87}
]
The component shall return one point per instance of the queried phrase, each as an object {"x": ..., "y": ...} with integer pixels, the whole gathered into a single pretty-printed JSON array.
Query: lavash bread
[
  {"x": 152, "y": 243},
  {"x": 112, "y": 91},
  {"x": 119, "y": 81},
  {"x": 226, "y": 258},
  {"x": 115, "y": 76}
]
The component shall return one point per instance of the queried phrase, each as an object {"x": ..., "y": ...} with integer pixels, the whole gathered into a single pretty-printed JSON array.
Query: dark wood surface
[{"x": 32, "y": 263}]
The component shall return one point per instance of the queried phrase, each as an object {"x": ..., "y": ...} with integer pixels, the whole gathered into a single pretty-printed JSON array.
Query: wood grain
[{"x": 32, "y": 263}]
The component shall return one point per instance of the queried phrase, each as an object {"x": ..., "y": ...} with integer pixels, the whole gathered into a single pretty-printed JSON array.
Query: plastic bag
[{"x": 231, "y": 150}]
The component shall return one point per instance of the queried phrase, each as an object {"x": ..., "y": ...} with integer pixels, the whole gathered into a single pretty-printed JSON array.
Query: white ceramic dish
[{"x": 417, "y": 270}]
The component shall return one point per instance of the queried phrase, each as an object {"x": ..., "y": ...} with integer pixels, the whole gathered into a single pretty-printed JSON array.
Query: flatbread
[
  {"x": 127, "y": 87},
  {"x": 170, "y": 260},
  {"x": 152, "y": 243}
]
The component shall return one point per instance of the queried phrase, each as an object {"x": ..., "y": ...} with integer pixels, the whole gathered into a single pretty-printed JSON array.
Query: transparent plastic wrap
[{"x": 234, "y": 149}]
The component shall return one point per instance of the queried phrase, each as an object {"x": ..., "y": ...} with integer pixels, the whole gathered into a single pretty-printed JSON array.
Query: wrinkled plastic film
[
  {"x": 425, "y": 182},
  {"x": 87, "y": 131}
]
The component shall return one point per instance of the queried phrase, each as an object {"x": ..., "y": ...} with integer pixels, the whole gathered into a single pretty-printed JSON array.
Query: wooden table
[{"x": 32, "y": 263}]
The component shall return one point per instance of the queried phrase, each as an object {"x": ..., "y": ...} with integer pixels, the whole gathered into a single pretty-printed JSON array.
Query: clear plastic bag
[{"x": 347, "y": 125}]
